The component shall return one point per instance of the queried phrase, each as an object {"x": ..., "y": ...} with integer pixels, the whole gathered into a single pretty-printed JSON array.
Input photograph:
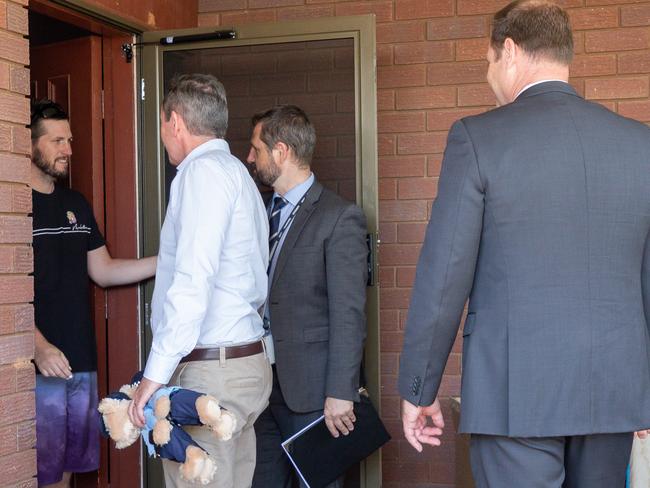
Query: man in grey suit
[
  {"x": 542, "y": 219},
  {"x": 315, "y": 311}
]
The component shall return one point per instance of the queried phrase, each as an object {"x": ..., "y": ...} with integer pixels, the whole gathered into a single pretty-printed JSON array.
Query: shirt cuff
[{"x": 161, "y": 368}]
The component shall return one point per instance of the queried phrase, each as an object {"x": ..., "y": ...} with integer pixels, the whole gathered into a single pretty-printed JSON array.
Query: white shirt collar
[
  {"x": 198, "y": 151},
  {"x": 530, "y": 85}
]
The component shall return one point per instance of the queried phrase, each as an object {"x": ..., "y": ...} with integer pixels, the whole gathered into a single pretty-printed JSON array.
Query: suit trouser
[
  {"x": 242, "y": 386},
  {"x": 587, "y": 461},
  {"x": 276, "y": 424}
]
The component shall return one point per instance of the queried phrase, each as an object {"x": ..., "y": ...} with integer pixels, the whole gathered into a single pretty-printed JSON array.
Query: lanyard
[{"x": 284, "y": 227}]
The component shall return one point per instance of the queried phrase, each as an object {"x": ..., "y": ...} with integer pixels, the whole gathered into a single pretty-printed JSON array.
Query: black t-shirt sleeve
[{"x": 95, "y": 240}]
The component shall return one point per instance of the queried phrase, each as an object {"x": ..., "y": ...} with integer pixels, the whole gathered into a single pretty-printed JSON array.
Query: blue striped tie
[{"x": 274, "y": 222}]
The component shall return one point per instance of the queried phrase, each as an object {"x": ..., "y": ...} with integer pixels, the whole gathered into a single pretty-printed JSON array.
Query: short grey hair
[
  {"x": 288, "y": 124},
  {"x": 200, "y": 99}
]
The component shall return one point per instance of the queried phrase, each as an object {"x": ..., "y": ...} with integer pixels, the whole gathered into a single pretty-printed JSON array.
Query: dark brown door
[{"x": 70, "y": 73}]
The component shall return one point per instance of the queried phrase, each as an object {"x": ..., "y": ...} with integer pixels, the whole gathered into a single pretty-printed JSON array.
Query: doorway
[
  {"x": 325, "y": 66},
  {"x": 76, "y": 61}
]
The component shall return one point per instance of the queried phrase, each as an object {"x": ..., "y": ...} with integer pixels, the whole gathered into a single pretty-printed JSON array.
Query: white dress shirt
[{"x": 214, "y": 251}]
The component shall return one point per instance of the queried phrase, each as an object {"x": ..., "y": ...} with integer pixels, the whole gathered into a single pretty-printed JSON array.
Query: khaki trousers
[{"x": 242, "y": 386}]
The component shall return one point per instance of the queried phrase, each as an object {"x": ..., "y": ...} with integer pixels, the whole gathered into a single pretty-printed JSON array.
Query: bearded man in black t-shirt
[{"x": 68, "y": 248}]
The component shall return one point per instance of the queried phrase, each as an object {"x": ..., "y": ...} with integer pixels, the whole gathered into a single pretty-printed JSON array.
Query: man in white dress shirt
[{"x": 211, "y": 279}]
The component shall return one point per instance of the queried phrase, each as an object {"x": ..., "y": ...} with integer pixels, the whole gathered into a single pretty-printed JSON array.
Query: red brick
[
  {"x": 453, "y": 365},
  {"x": 391, "y": 298},
  {"x": 616, "y": 88},
  {"x": 423, "y": 9},
  {"x": 333, "y": 124},
  {"x": 8, "y": 440},
  {"x": 425, "y": 143},
  {"x": 17, "y": 467},
  {"x": 239, "y": 64},
  {"x": 21, "y": 199},
  {"x": 273, "y": 3},
  {"x": 18, "y": 347},
  {"x": 387, "y": 280},
  {"x": 471, "y": 49},
  {"x": 5, "y": 76},
  {"x": 30, "y": 483},
  {"x": 406, "y": 275},
  {"x": 15, "y": 229},
  {"x": 400, "y": 76},
  {"x": 21, "y": 141},
  {"x": 389, "y": 361},
  {"x": 401, "y": 32},
  {"x": 285, "y": 83},
  {"x": 17, "y": 407},
  {"x": 635, "y": 62},
  {"x": 385, "y": 100},
  {"x": 450, "y": 386},
  {"x": 25, "y": 376},
  {"x": 248, "y": 17},
  {"x": 457, "y": 28},
  {"x": 578, "y": 42},
  {"x": 612, "y": 2},
  {"x": 384, "y": 55},
  {"x": 400, "y": 166},
  {"x": 15, "y": 107},
  {"x": 623, "y": 39},
  {"x": 406, "y": 472},
  {"x": 14, "y": 48},
  {"x": 16, "y": 289},
  {"x": 457, "y": 73},
  {"x": 424, "y": 52},
  {"x": 394, "y": 122},
  {"x": 412, "y": 232},
  {"x": 473, "y": 7},
  {"x": 387, "y": 189},
  {"x": 593, "y": 65},
  {"x": 386, "y": 144},
  {"x": 434, "y": 163},
  {"x": 221, "y": 5},
  {"x": 476, "y": 95},
  {"x": 337, "y": 169},
  {"x": 390, "y": 342},
  {"x": 209, "y": 20},
  {"x": 305, "y": 12},
  {"x": 14, "y": 168},
  {"x": 388, "y": 232},
  {"x": 6, "y": 266},
  {"x": 312, "y": 103},
  {"x": 3, "y": 14},
  {"x": 23, "y": 260},
  {"x": 17, "y": 18},
  {"x": 399, "y": 254},
  {"x": 5, "y": 137},
  {"x": 635, "y": 15},
  {"x": 26, "y": 433},
  {"x": 390, "y": 407},
  {"x": 444, "y": 119},
  {"x": 593, "y": 18},
  {"x": 417, "y": 188},
  {"x": 383, "y": 10},
  {"x": 307, "y": 60},
  {"x": 639, "y": 110},
  {"x": 425, "y": 97},
  {"x": 579, "y": 85},
  {"x": 402, "y": 211},
  {"x": 611, "y": 106},
  {"x": 331, "y": 82},
  {"x": 346, "y": 146}
]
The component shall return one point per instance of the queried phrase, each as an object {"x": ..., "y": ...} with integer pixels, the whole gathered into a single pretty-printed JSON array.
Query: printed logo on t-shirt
[{"x": 71, "y": 217}]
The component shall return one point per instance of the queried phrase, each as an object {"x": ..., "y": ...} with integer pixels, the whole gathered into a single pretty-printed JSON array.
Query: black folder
[{"x": 320, "y": 458}]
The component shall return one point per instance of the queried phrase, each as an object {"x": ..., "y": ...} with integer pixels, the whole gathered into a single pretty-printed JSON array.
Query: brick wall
[
  {"x": 17, "y": 429},
  {"x": 317, "y": 76},
  {"x": 431, "y": 71}
]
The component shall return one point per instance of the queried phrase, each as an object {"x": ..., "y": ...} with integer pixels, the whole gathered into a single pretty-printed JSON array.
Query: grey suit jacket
[
  {"x": 542, "y": 219},
  {"x": 317, "y": 302}
]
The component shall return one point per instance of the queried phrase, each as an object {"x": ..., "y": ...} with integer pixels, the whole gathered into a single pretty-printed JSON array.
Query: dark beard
[
  {"x": 46, "y": 167},
  {"x": 271, "y": 173}
]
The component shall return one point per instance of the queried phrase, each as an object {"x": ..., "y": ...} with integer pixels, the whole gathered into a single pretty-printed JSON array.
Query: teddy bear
[{"x": 165, "y": 413}]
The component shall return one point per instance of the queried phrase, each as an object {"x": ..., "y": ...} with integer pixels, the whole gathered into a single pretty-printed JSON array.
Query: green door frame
[{"x": 359, "y": 28}]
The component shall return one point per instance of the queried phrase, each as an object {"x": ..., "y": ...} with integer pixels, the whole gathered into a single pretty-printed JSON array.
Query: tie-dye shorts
[{"x": 67, "y": 426}]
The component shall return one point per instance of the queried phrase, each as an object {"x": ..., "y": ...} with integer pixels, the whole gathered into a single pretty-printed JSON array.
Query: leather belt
[{"x": 232, "y": 352}]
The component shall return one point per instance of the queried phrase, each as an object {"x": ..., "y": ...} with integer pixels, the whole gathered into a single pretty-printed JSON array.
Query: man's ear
[
  {"x": 282, "y": 151},
  {"x": 510, "y": 51},
  {"x": 177, "y": 122}
]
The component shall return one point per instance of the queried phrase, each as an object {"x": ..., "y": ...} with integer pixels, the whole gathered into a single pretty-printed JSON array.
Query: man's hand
[
  {"x": 339, "y": 416},
  {"x": 414, "y": 420},
  {"x": 51, "y": 361},
  {"x": 642, "y": 434},
  {"x": 141, "y": 396}
]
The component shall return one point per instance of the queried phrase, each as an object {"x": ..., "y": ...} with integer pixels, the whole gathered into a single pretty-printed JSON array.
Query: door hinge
[{"x": 142, "y": 86}]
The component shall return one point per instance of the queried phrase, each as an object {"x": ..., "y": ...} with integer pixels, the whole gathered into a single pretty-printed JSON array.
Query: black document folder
[{"x": 320, "y": 458}]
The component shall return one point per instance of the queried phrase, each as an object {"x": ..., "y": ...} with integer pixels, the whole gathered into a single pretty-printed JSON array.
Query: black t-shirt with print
[{"x": 64, "y": 230}]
